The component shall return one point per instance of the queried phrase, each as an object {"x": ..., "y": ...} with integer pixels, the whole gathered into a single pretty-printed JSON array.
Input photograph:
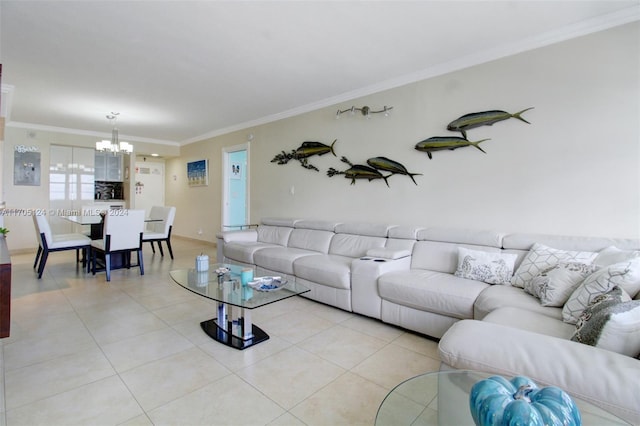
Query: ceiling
[{"x": 180, "y": 71}]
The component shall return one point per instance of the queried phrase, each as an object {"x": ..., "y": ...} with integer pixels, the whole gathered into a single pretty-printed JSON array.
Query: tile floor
[{"x": 131, "y": 352}]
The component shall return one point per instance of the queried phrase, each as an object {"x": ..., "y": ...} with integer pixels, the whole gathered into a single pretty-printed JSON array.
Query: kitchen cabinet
[{"x": 108, "y": 167}]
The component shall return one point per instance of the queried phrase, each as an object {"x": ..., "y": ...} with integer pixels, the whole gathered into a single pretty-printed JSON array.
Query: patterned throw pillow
[
  {"x": 625, "y": 275},
  {"x": 554, "y": 285},
  {"x": 541, "y": 257},
  {"x": 611, "y": 323},
  {"x": 491, "y": 268}
]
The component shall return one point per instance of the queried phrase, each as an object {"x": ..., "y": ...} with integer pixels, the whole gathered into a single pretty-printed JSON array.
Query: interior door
[
  {"x": 235, "y": 178},
  {"x": 149, "y": 184}
]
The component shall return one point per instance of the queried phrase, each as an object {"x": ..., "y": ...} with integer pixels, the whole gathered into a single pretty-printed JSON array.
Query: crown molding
[
  {"x": 578, "y": 29},
  {"x": 103, "y": 135}
]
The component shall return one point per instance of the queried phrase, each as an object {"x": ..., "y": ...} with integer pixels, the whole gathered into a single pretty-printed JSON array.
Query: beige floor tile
[
  {"x": 135, "y": 351},
  {"x": 235, "y": 359},
  {"x": 166, "y": 297},
  {"x": 43, "y": 348},
  {"x": 162, "y": 381},
  {"x": 373, "y": 328},
  {"x": 329, "y": 313},
  {"x": 228, "y": 401},
  {"x": 103, "y": 402},
  {"x": 399, "y": 410},
  {"x": 393, "y": 364},
  {"x": 38, "y": 305},
  {"x": 141, "y": 420},
  {"x": 43, "y": 325},
  {"x": 123, "y": 327},
  {"x": 38, "y": 381},
  {"x": 290, "y": 376},
  {"x": 287, "y": 419},
  {"x": 349, "y": 400},
  {"x": 342, "y": 346},
  {"x": 418, "y": 344},
  {"x": 295, "y": 325}
]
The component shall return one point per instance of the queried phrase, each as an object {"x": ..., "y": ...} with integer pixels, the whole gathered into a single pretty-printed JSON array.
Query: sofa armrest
[
  {"x": 603, "y": 378},
  {"x": 246, "y": 235},
  {"x": 385, "y": 253},
  {"x": 365, "y": 297}
]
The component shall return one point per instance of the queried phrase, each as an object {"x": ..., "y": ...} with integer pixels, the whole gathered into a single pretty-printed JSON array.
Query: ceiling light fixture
[
  {"x": 114, "y": 145},
  {"x": 366, "y": 111}
]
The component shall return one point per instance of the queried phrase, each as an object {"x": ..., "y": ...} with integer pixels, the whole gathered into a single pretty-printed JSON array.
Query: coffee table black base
[{"x": 218, "y": 334}]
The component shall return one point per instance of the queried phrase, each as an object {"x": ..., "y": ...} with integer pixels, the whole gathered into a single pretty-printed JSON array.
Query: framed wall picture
[
  {"x": 26, "y": 166},
  {"x": 198, "y": 173}
]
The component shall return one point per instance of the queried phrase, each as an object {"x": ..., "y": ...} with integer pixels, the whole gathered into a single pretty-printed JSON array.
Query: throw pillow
[
  {"x": 612, "y": 255},
  {"x": 554, "y": 285},
  {"x": 609, "y": 323},
  {"x": 491, "y": 268},
  {"x": 625, "y": 275},
  {"x": 541, "y": 257}
]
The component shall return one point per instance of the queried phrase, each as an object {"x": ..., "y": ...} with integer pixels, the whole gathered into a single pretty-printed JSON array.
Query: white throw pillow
[
  {"x": 489, "y": 267},
  {"x": 554, "y": 285},
  {"x": 625, "y": 275},
  {"x": 541, "y": 257},
  {"x": 612, "y": 255},
  {"x": 610, "y": 323}
]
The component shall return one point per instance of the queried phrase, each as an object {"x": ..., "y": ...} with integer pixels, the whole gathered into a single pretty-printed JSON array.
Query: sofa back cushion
[
  {"x": 354, "y": 239},
  {"x": 402, "y": 238},
  {"x": 437, "y": 248},
  {"x": 274, "y": 234},
  {"x": 311, "y": 239}
]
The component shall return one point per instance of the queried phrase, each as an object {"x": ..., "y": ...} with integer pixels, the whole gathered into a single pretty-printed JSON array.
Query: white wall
[{"x": 574, "y": 170}]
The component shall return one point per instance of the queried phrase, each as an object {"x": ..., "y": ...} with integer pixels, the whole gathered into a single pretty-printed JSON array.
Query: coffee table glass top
[
  {"x": 229, "y": 290},
  {"x": 442, "y": 398}
]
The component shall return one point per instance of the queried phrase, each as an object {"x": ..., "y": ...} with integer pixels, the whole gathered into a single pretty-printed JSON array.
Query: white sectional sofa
[{"x": 405, "y": 276}]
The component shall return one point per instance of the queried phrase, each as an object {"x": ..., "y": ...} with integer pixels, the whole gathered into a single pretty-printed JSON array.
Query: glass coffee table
[
  {"x": 442, "y": 398},
  {"x": 232, "y": 325}
]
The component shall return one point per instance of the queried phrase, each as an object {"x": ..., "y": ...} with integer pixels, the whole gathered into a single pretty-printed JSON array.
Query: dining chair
[
  {"x": 49, "y": 242},
  {"x": 122, "y": 234},
  {"x": 160, "y": 231}
]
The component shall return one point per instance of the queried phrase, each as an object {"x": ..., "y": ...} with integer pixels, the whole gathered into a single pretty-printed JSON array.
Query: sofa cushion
[
  {"x": 310, "y": 239},
  {"x": 354, "y": 246},
  {"x": 625, "y": 275},
  {"x": 613, "y": 254},
  {"x": 274, "y": 234},
  {"x": 431, "y": 291},
  {"x": 279, "y": 258},
  {"x": 327, "y": 269},
  {"x": 441, "y": 256},
  {"x": 243, "y": 251},
  {"x": 462, "y": 236},
  {"x": 611, "y": 323},
  {"x": 366, "y": 229},
  {"x": 498, "y": 296},
  {"x": 554, "y": 285},
  {"x": 536, "y": 322},
  {"x": 480, "y": 265},
  {"x": 541, "y": 257}
]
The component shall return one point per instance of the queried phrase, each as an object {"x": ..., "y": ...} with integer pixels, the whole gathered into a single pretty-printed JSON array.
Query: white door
[
  {"x": 235, "y": 191},
  {"x": 149, "y": 185}
]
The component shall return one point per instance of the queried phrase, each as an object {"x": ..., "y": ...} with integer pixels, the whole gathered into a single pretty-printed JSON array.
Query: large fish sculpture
[
  {"x": 440, "y": 143},
  {"x": 395, "y": 168},
  {"x": 484, "y": 118},
  {"x": 358, "y": 171},
  {"x": 303, "y": 152}
]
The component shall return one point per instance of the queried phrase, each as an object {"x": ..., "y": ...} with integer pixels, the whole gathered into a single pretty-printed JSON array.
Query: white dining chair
[
  {"x": 160, "y": 231},
  {"x": 50, "y": 242},
  {"x": 122, "y": 234}
]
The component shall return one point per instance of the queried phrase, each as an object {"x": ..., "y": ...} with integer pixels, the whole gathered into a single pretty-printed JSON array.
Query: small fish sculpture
[
  {"x": 484, "y": 118},
  {"x": 303, "y": 152},
  {"x": 395, "y": 168},
  {"x": 440, "y": 143},
  {"x": 358, "y": 171}
]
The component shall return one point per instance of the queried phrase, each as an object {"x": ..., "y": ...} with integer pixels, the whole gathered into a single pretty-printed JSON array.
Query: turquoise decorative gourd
[{"x": 519, "y": 402}]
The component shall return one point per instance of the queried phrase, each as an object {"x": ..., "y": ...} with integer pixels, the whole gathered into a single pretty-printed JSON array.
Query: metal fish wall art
[
  {"x": 393, "y": 167},
  {"x": 303, "y": 152},
  {"x": 484, "y": 118},
  {"x": 358, "y": 171},
  {"x": 440, "y": 143}
]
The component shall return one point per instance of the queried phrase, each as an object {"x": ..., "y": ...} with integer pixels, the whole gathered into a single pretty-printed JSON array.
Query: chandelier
[{"x": 114, "y": 145}]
